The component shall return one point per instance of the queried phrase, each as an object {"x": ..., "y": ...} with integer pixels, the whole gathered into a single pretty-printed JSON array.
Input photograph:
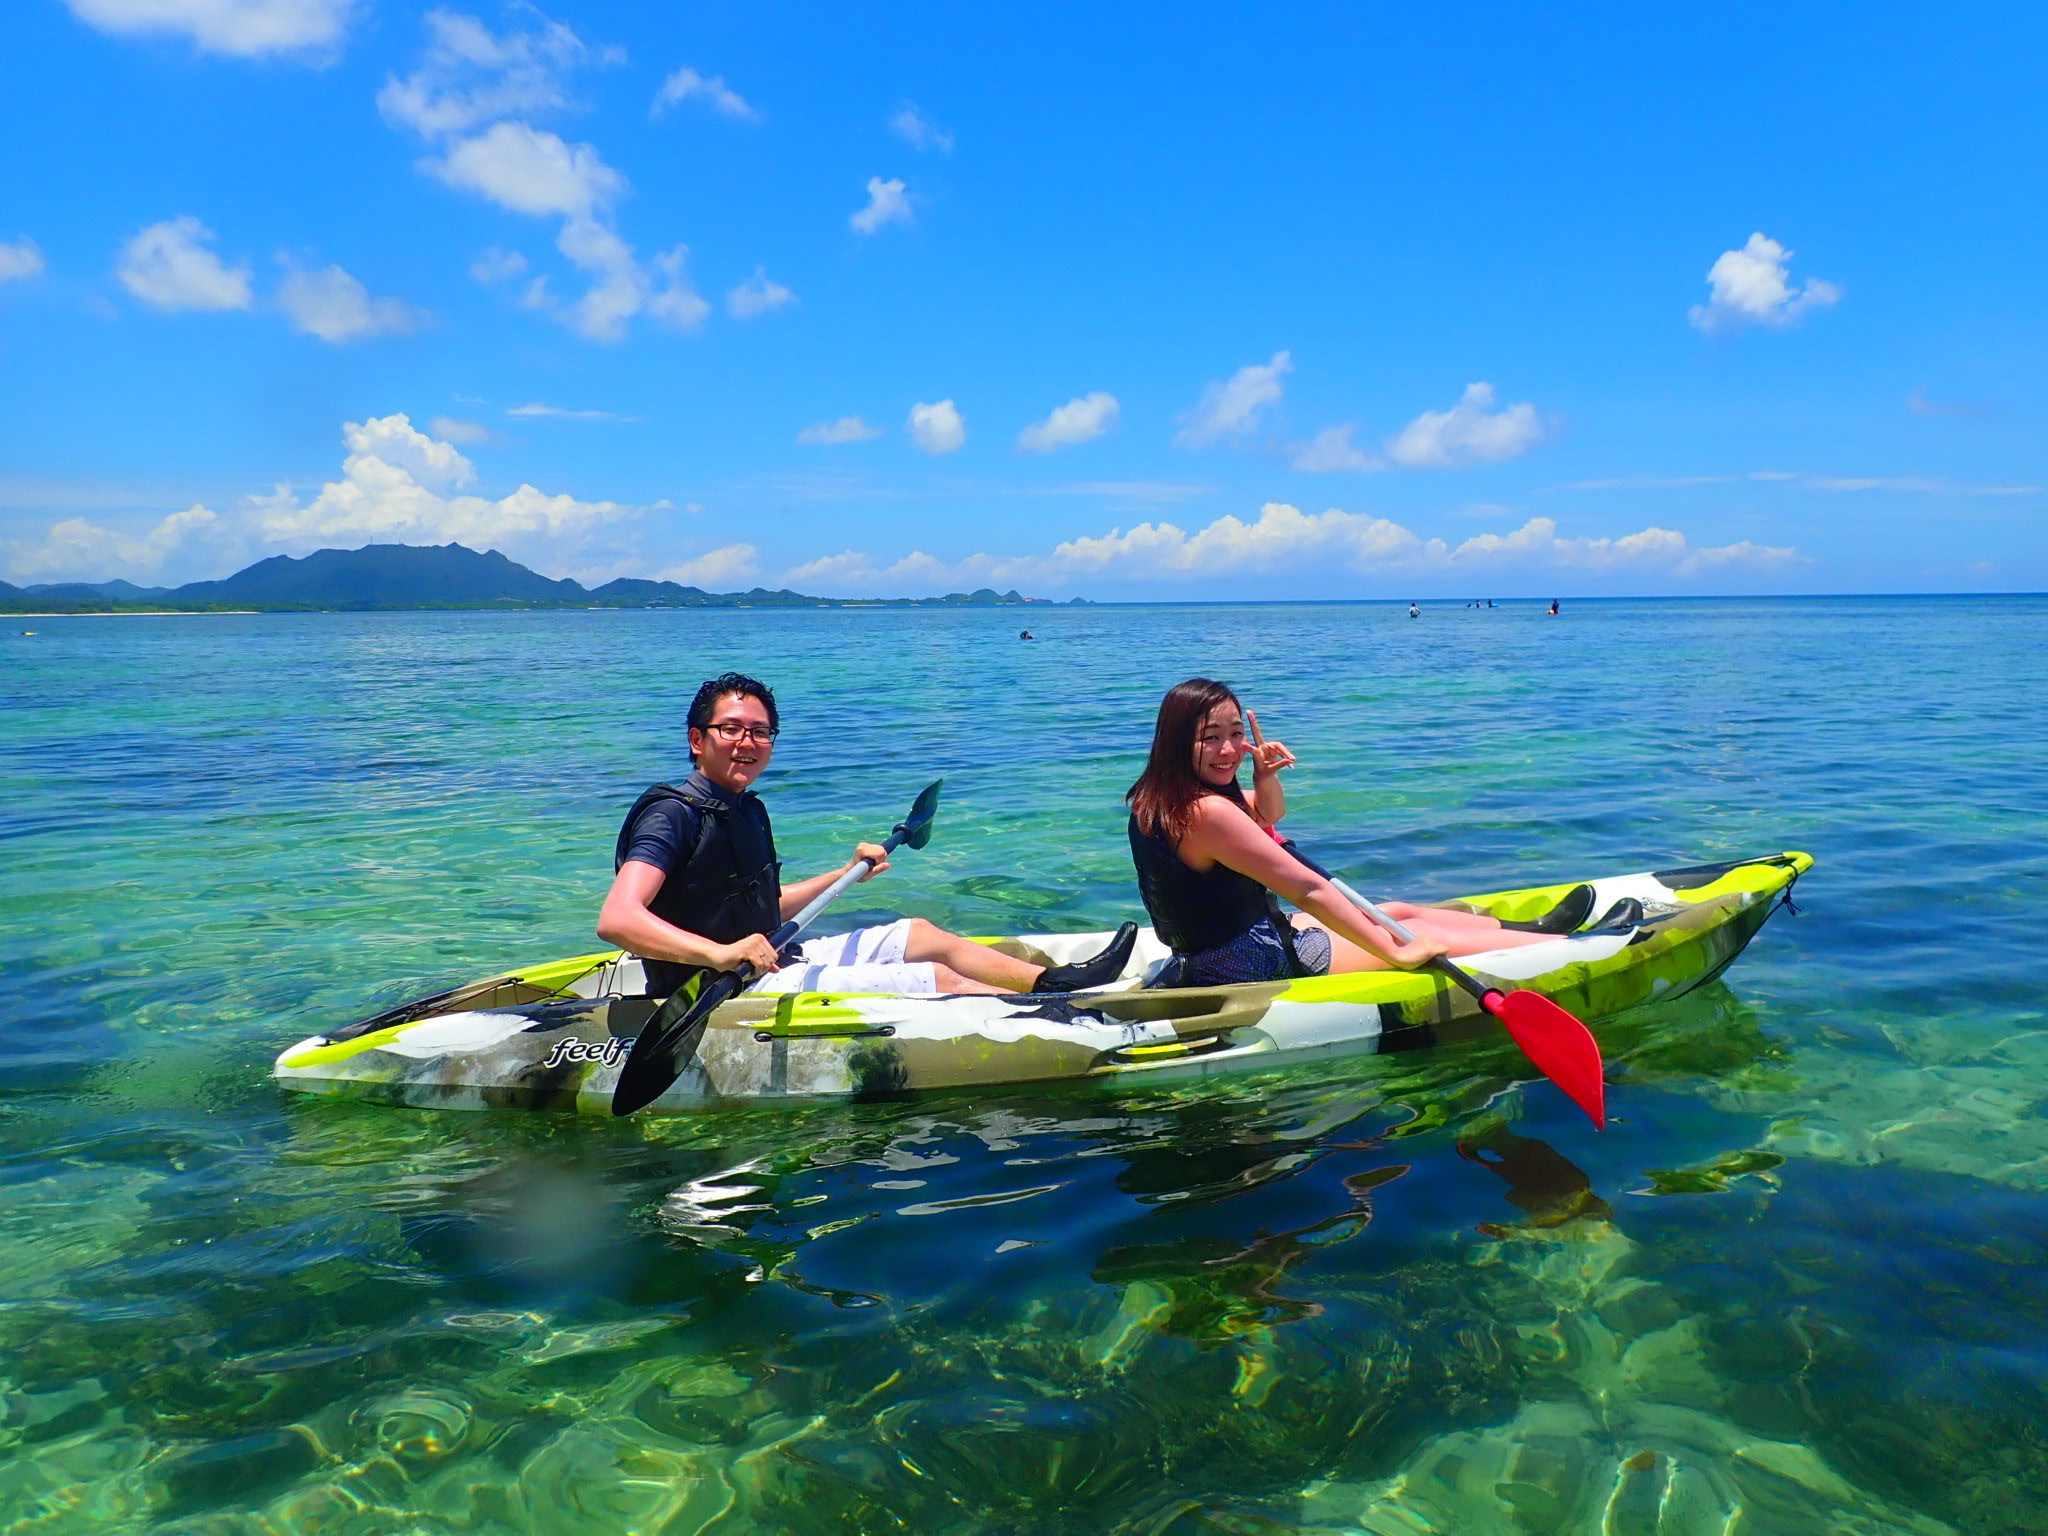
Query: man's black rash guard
[{"x": 716, "y": 851}]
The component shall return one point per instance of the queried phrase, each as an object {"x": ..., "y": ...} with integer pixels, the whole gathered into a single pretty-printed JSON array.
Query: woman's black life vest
[
  {"x": 723, "y": 879},
  {"x": 1193, "y": 912}
]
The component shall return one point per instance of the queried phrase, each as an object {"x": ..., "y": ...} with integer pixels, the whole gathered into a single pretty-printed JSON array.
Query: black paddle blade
[
  {"x": 668, "y": 1044},
  {"x": 917, "y": 826}
]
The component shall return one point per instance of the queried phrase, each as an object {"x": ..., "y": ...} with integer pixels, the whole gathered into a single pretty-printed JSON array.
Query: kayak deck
[{"x": 553, "y": 1036}]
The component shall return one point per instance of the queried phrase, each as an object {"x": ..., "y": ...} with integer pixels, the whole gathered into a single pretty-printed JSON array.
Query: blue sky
[{"x": 1153, "y": 302}]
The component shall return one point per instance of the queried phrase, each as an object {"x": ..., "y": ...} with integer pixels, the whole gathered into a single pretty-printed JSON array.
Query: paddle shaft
[
  {"x": 666, "y": 1044},
  {"x": 744, "y": 975}
]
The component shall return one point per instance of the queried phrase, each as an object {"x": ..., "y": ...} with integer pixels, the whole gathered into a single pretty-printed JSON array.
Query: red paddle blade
[{"x": 1562, "y": 1048}]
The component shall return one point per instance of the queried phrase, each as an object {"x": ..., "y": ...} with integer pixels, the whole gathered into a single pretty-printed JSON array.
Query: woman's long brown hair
[{"x": 1163, "y": 800}]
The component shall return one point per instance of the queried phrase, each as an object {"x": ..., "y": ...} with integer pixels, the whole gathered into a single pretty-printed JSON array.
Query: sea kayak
[{"x": 553, "y": 1036}]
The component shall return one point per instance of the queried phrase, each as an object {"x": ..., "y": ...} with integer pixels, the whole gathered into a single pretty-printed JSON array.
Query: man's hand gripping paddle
[
  {"x": 664, "y": 1050},
  {"x": 1562, "y": 1048}
]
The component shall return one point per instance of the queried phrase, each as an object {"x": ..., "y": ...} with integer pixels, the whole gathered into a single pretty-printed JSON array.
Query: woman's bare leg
[
  {"x": 1438, "y": 917},
  {"x": 1457, "y": 939}
]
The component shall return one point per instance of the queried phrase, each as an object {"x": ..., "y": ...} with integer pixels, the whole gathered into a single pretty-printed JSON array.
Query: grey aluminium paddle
[{"x": 664, "y": 1049}]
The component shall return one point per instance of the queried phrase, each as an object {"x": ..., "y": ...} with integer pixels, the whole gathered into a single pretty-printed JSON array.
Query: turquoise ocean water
[{"x": 1799, "y": 1285}]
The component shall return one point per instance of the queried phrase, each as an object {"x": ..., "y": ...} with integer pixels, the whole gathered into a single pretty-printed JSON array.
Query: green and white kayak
[{"x": 553, "y": 1036}]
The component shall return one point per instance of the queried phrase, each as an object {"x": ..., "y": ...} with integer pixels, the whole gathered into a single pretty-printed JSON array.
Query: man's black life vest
[{"x": 723, "y": 880}]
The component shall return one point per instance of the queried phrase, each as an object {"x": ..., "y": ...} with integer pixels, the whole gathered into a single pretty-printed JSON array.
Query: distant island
[{"x": 381, "y": 577}]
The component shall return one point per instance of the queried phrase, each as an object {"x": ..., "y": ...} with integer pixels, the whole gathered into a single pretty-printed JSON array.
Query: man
[{"x": 698, "y": 885}]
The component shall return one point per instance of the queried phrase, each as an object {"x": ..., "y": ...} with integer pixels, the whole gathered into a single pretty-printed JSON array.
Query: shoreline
[
  {"x": 150, "y": 613},
  {"x": 1429, "y": 605}
]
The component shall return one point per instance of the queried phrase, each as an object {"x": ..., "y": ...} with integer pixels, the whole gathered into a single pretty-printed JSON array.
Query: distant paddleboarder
[{"x": 1553, "y": 607}]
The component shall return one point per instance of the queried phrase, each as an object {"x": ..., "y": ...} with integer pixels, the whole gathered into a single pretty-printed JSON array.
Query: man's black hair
[{"x": 714, "y": 689}]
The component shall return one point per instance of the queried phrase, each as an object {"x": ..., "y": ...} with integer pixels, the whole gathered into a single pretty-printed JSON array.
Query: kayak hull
[{"x": 554, "y": 1036}]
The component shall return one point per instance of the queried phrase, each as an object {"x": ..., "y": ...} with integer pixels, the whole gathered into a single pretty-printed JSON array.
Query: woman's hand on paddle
[
  {"x": 1268, "y": 757},
  {"x": 1415, "y": 954},
  {"x": 754, "y": 950},
  {"x": 873, "y": 851}
]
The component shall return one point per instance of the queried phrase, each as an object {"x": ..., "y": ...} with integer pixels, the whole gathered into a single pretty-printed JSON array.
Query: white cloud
[
  {"x": 1331, "y": 451},
  {"x": 1751, "y": 286},
  {"x": 718, "y": 570},
  {"x": 19, "y": 258},
  {"x": 887, "y": 204},
  {"x": 720, "y": 97},
  {"x": 453, "y": 429},
  {"x": 1756, "y": 556},
  {"x": 529, "y": 170},
  {"x": 335, "y": 306},
  {"x": 1231, "y": 408},
  {"x": 847, "y": 429},
  {"x": 919, "y": 131},
  {"x": 244, "y": 28},
  {"x": 1281, "y": 536},
  {"x": 497, "y": 266},
  {"x": 169, "y": 267},
  {"x": 757, "y": 295},
  {"x": 1079, "y": 420},
  {"x": 1470, "y": 432},
  {"x": 394, "y": 441},
  {"x": 1284, "y": 539},
  {"x": 937, "y": 428},
  {"x": 395, "y": 487},
  {"x": 472, "y": 75},
  {"x": 397, "y": 484},
  {"x": 856, "y": 572},
  {"x": 78, "y": 549},
  {"x": 675, "y": 302},
  {"x": 620, "y": 288},
  {"x": 561, "y": 413}
]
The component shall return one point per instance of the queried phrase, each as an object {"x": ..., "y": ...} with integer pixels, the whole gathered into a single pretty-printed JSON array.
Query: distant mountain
[
  {"x": 413, "y": 576},
  {"x": 631, "y": 589},
  {"x": 381, "y": 576},
  {"x": 85, "y": 591}
]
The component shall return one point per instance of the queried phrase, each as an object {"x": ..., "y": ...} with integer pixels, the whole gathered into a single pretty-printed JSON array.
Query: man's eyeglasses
[{"x": 730, "y": 730}]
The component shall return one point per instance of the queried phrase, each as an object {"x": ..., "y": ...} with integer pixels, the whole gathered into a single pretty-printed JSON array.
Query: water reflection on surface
[{"x": 1360, "y": 1299}]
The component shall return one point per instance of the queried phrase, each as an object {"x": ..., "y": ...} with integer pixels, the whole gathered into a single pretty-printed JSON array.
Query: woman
[{"x": 1210, "y": 864}]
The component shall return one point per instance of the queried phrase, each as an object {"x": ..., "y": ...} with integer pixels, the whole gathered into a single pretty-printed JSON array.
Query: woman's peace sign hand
[{"x": 1268, "y": 757}]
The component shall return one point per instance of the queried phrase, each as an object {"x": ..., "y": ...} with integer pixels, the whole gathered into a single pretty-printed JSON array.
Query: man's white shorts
[{"x": 865, "y": 960}]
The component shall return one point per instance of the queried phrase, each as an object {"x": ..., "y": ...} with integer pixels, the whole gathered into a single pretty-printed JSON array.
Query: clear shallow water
[{"x": 1797, "y": 1286}]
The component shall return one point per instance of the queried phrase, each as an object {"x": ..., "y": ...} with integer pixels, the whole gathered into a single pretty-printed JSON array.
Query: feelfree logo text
[{"x": 608, "y": 1051}]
